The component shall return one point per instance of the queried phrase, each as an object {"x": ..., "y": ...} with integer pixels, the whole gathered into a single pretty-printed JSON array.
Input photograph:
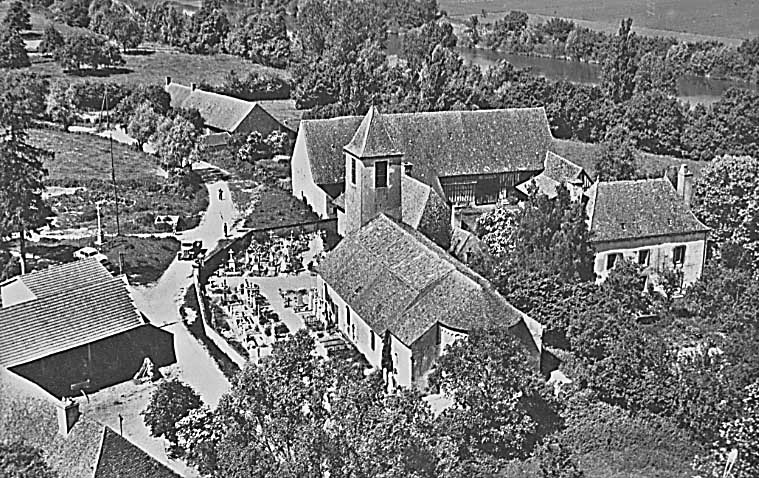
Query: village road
[{"x": 160, "y": 301}]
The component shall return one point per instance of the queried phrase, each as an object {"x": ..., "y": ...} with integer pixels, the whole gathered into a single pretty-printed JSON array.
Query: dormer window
[{"x": 380, "y": 174}]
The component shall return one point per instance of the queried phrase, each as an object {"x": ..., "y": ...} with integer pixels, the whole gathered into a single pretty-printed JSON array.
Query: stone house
[
  {"x": 558, "y": 171},
  {"x": 649, "y": 222}
]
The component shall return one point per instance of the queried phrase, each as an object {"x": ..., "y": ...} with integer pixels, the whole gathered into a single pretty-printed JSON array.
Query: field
[
  {"x": 649, "y": 165},
  {"x": 727, "y": 18},
  {"x": 153, "y": 66},
  {"x": 83, "y": 156}
]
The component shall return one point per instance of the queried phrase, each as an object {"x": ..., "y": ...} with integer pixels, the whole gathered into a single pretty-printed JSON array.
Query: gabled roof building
[
  {"x": 647, "y": 221},
  {"x": 558, "y": 171},
  {"x": 400, "y": 299},
  {"x": 74, "y": 326}
]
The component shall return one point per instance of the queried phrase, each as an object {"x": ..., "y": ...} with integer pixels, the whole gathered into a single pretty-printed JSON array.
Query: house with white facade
[
  {"x": 400, "y": 299},
  {"x": 649, "y": 222}
]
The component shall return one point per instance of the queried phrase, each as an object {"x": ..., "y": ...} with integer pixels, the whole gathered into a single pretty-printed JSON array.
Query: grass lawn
[
  {"x": 265, "y": 206},
  {"x": 144, "y": 258},
  {"x": 732, "y": 19},
  {"x": 84, "y": 156},
  {"x": 650, "y": 165},
  {"x": 153, "y": 66}
]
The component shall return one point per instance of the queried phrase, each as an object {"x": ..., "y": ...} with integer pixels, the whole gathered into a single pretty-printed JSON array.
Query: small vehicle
[
  {"x": 190, "y": 251},
  {"x": 86, "y": 252}
]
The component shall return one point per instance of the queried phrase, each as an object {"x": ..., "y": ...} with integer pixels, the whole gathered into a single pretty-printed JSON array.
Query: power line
[{"x": 113, "y": 166}]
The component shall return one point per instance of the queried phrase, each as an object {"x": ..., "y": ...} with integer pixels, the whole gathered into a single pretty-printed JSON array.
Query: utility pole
[
  {"x": 113, "y": 167},
  {"x": 21, "y": 244}
]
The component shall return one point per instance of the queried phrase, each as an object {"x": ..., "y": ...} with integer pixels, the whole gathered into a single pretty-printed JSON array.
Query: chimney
[
  {"x": 685, "y": 184},
  {"x": 193, "y": 86},
  {"x": 68, "y": 414},
  {"x": 407, "y": 168},
  {"x": 168, "y": 80}
]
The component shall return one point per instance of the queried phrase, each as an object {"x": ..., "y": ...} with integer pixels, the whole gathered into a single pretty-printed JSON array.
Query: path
[{"x": 160, "y": 302}]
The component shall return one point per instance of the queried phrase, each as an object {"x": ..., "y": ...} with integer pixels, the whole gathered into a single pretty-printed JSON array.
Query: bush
[{"x": 171, "y": 401}]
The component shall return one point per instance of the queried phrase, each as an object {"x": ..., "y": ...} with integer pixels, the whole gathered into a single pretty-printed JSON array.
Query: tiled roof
[
  {"x": 64, "y": 277},
  {"x": 119, "y": 458},
  {"x": 619, "y": 210},
  {"x": 28, "y": 413},
  {"x": 446, "y": 143},
  {"x": 221, "y": 112},
  {"x": 283, "y": 111},
  {"x": 396, "y": 279},
  {"x": 371, "y": 139},
  {"x": 71, "y": 318},
  {"x": 426, "y": 211},
  {"x": 557, "y": 170}
]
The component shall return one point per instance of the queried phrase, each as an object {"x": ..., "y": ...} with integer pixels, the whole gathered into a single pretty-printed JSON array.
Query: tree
[
  {"x": 656, "y": 122},
  {"x": 59, "y": 104},
  {"x": 12, "y": 50},
  {"x": 118, "y": 24},
  {"x": 82, "y": 49},
  {"x": 656, "y": 73},
  {"x": 207, "y": 32},
  {"x": 497, "y": 228},
  {"x": 51, "y": 40},
  {"x": 620, "y": 65},
  {"x": 176, "y": 141},
  {"x": 75, "y": 13},
  {"x": 143, "y": 124},
  {"x": 22, "y": 99},
  {"x": 497, "y": 398},
  {"x": 617, "y": 159},
  {"x": 17, "y": 18},
  {"x": 20, "y": 460},
  {"x": 261, "y": 37},
  {"x": 556, "y": 462},
  {"x": 164, "y": 23},
  {"x": 726, "y": 198},
  {"x": 170, "y": 402},
  {"x": 418, "y": 45},
  {"x": 155, "y": 96}
]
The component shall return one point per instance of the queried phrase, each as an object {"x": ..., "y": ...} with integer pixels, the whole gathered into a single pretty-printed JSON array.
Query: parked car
[
  {"x": 190, "y": 250},
  {"x": 88, "y": 251}
]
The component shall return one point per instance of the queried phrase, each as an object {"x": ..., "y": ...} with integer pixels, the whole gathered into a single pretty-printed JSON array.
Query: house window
[
  {"x": 643, "y": 257},
  {"x": 612, "y": 259},
  {"x": 371, "y": 333},
  {"x": 348, "y": 315},
  {"x": 678, "y": 255},
  {"x": 353, "y": 171},
  {"x": 380, "y": 174}
]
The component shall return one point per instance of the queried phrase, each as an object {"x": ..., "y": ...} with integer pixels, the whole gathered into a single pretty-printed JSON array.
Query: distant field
[
  {"x": 724, "y": 18},
  {"x": 86, "y": 156},
  {"x": 153, "y": 68},
  {"x": 651, "y": 165}
]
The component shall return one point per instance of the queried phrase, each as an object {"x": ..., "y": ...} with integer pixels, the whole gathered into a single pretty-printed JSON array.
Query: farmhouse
[
  {"x": 400, "y": 299},
  {"x": 73, "y": 445},
  {"x": 223, "y": 115},
  {"x": 468, "y": 158},
  {"x": 649, "y": 222},
  {"x": 73, "y": 327}
]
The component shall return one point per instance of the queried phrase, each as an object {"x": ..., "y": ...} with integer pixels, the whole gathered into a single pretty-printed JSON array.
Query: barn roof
[
  {"x": 444, "y": 143},
  {"x": 398, "y": 280},
  {"x": 619, "y": 210},
  {"x": 557, "y": 171},
  {"x": 90, "y": 449},
  {"x": 69, "y": 318},
  {"x": 425, "y": 210},
  {"x": 63, "y": 277}
]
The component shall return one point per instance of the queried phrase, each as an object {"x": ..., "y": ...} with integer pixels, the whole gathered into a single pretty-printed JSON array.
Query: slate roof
[
  {"x": 371, "y": 139},
  {"x": 283, "y": 111},
  {"x": 398, "y": 280},
  {"x": 28, "y": 413},
  {"x": 425, "y": 210},
  {"x": 620, "y": 210},
  {"x": 64, "y": 277},
  {"x": 445, "y": 143},
  {"x": 73, "y": 317}
]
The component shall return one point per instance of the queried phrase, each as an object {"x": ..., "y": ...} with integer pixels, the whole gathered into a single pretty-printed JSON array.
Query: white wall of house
[
  {"x": 303, "y": 181},
  {"x": 449, "y": 336},
  {"x": 358, "y": 332},
  {"x": 341, "y": 223},
  {"x": 661, "y": 253}
]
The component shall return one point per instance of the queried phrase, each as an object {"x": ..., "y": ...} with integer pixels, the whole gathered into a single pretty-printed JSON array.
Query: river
[{"x": 694, "y": 89}]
